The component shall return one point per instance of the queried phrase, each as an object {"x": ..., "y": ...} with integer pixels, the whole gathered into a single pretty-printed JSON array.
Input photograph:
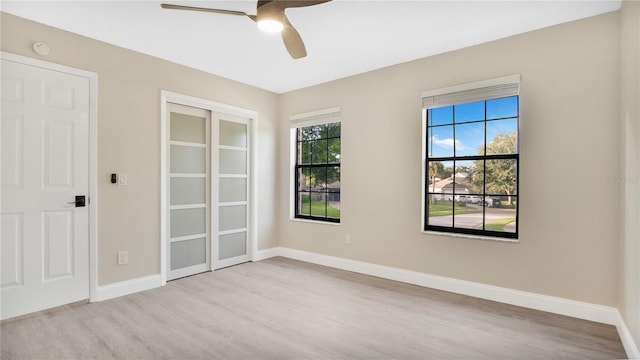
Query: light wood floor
[{"x": 285, "y": 309}]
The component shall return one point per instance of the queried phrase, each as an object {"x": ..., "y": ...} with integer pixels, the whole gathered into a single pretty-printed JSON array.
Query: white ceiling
[{"x": 343, "y": 37}]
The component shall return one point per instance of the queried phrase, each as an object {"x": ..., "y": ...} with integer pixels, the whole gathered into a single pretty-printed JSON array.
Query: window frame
[
  {"x": 461, "y": 94},
  {"x": 297, "y": 122}
]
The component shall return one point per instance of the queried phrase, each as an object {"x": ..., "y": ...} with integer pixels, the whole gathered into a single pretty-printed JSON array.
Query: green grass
[
  {"x": 317, "y": 208},
  {"x": 444, "y": 208},
  {"x": 498, "y": 225}
]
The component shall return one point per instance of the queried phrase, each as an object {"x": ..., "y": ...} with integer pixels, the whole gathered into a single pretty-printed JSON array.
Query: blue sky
[{"x": 469, "y": 134}]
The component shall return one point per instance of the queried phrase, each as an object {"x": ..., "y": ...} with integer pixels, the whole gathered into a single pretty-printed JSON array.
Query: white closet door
[
  {"x": 188, "y": 193},
  {"x": 231, "y": 189}
]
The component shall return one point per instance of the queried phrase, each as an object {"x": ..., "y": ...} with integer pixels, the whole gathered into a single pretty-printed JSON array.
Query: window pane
[
  {"x": 319, "y": 131},
  {"x": 477, "y": 178},
  {"x": 334, "y": 130},
  {"x": 502, "y": 108},
  {"x": 318, "y": 204},
  {"x": 319, "y": 152},
  {"x": 469, "y": 112},
  {"x": 469, "y": 139},
  {"x": 440, "y": 211},
  {"x": 502, "y": 136},
  {"x": 464, "y": 168},
  {"x": 333, "y": 177},
  {"x": 468, "y": 216},
  {"x": 500, "y": 177},
  {"x": 508, "y": 203},
  {"x": 441, "y": 141},
  {"x": 463, "y": 172},
  {"x": 334, "y": 151},
  {"x": 499, "y": 215},
  {"x": 318, "y": 179},
  {"x": 306, "y": 134},
  {"x": 440, "y": 116},
  {"x": 447, "y": 172},
  {"x": 333, "y": 204},
  {"x": 304, "y": 152},
  {"x": 429, "y": 143},
  {"x": 304, "y": 203},
  {"x": 441, "y": 175},
  {"x": 437, "y": 172},
  {"x": 304, "y": 179}
]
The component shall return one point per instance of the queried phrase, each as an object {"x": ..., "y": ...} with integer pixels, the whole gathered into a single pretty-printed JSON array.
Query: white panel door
[
  {"x": 231, "y": 187},
  {"x": 45, "y": 165}
]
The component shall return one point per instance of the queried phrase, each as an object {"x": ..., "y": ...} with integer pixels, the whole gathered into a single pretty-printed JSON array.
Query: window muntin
[
  {"x": 317, "y": 172},
  {"x": 471, "y": 172}
]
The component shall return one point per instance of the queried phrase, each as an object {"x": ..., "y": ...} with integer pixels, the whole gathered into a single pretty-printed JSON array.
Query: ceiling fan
[{"x": 270, "y": 17}]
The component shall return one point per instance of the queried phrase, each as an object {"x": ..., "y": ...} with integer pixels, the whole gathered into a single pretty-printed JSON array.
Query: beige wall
[
  {"x": 569, "y": 140},
  {"x": 629, "y": 286},
  {"x": 129, "y": 87},
  {"x": 570, "y": 157}
]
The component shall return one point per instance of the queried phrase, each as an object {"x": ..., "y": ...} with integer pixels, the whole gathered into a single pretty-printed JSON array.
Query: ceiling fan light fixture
[
  {"x": 270, "y": 25},
  {"x": 270, "y": 17}
]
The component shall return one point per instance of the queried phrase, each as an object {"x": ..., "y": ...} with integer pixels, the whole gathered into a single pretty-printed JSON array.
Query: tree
[
  {"x": 497, "y": 176},
  {"x": 436, "y": 168}
]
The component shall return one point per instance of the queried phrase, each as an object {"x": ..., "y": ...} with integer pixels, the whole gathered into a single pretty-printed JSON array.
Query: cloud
[{"x": 448, "y": 143}]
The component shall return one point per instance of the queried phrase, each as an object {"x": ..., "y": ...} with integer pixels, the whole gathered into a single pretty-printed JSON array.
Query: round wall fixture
[{"x": 41, "y": 48}]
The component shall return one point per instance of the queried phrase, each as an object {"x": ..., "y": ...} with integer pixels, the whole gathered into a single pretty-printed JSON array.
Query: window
[
  {"x": 471, "y": 158},
  {"x": 317, "y": 166}
]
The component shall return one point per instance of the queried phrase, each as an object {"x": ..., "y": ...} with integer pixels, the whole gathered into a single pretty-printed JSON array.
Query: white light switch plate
[
  {"x": 123, "y": 257},
  {"x": 122, "y": 179}
]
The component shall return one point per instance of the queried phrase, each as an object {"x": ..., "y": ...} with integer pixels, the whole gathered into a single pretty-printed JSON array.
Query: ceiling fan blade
[
  {"x": 217, "y": 11},
  {"x": 299, "y": 3},
  {"x": 292, "y": 40}
]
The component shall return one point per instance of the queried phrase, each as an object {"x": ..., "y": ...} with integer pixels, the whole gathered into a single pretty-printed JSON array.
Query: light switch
[
  {"x": 123, "y": 257},
  {"x": 122, "y": 179}
]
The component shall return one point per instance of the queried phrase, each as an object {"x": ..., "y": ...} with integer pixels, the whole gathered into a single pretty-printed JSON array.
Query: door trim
[
  {"x": 93, "y": 155},
  {"x": 171, "y": 97}
]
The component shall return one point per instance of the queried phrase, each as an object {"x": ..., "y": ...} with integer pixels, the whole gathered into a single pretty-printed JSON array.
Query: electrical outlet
[
  {"x": 122, "y": 179},
  {"x": 123, "y": 257},
  {"x": 347, "y": 239}
]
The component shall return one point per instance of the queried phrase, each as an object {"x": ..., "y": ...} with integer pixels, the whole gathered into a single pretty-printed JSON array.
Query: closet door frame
[{"x": 214, "y": 107}]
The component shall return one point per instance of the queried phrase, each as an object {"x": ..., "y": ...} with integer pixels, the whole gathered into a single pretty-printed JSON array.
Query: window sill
[
  {"x": 472, "y": 237},
  {"x": 315, "y": 221}
]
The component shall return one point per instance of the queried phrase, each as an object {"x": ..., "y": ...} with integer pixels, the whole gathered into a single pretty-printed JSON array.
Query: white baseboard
[
  {"x": 627, "y": 340},
  {"x": 577, "y": 309},
  {"x": 122, "y": 288},
  {"x": 265, "y": 254}
]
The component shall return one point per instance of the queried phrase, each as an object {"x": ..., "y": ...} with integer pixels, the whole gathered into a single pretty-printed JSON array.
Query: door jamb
[
  {"x": 171, "y": 97},
  {"x": 93, "y": 155}
]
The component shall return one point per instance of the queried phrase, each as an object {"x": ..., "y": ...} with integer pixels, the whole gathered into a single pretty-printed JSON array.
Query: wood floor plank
[{"x": 286, "y": 309}]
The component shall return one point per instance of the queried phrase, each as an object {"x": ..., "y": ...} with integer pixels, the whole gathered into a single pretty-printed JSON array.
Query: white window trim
[
  {"x": 318, "y": 117},
  {"x": 475, "y": 91},
  {"x": 468, "y": 92}
]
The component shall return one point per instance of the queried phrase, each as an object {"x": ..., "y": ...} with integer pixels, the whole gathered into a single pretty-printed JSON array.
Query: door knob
[{"x": 80, "y": 201}]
